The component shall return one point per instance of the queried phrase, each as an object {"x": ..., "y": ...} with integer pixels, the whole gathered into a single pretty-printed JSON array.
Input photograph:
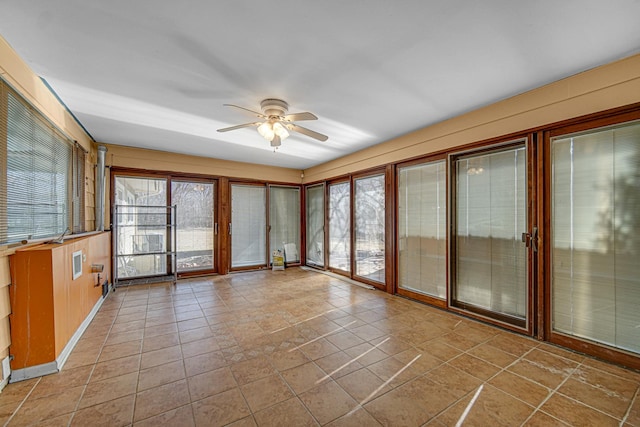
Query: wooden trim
[
  {"x": 427, "y": 299},
  {"x": 390, "y": 228},
  {"x": 598, "y": 350}
]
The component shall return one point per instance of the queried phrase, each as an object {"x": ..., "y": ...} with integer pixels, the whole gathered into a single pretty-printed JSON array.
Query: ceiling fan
[{"x": 276, "y": 123}]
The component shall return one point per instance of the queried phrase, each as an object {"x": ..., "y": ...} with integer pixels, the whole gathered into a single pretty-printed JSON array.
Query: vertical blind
[
  {"x": 370, "y": 227},
  {"x": 340, "y": 226},
  {"x": 249, "y": 222},
  {"x": 284, "y": 218},
  {"x": 596, "y": 246},
  {"x": 491, "y": 206},
  {"x": 422, "y": 228},
  {"x": 315, "y": 225},
  {"x": 36, "y": 187}
]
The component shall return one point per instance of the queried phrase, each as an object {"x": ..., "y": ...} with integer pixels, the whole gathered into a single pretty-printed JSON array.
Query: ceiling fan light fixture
[
  {"x": 266, "y": 130},
  {"x": 276, "y": 141},
  {"x": 280, "y": 130}
]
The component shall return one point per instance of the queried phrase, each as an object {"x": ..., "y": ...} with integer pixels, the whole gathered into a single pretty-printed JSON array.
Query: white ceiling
[{"x": 155, "y": 73}]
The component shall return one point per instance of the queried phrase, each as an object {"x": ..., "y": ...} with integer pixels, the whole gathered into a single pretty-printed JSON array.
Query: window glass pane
[
  {"x": 596, "y": 246},
  {"x": 340, "y": 226},
  {"x": 370, "y": 227},
  {"x": 248, "y": 221},
  {"x": 491, "y": 259},
  {"x": 38, "y": 176},
  {"x": 194, "y": 224},
  {"x": 284, "y": 216},
  {"x": 315, "y": 225},
  {"x": 141, "y": 226},
  {"x": 422, "y": 241}
]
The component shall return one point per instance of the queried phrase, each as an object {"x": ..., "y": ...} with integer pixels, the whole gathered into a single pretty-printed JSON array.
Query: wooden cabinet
[{"x": 51, "y": 309}]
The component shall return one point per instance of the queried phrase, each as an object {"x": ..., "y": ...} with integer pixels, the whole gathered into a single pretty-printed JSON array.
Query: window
[
  {"x": 249, "y": 222},
  {"x": 595, "y": 202},
  {"x": 422, "y": 229},
  {"x": 42, "y": 186}
]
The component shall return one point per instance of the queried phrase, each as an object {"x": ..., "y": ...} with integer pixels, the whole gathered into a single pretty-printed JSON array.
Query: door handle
[{"x": 531, "y": 239}]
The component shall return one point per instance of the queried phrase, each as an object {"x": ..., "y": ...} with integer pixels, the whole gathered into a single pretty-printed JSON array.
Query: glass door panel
[
  {"x": 195, "y": 223},
  {"x": 284, "y": 218},
  {"x": 315, "y": 225},
  {"x": 142, "y": 232},
  {"x": 422, "y": 229},
  {"x": 490, "y": 217},
  {"x": 370, "y": 228},
  {"x": 340, "y": 226},
  {"x": 595, "y": 202},
  {"x": 248, "y": 225}
]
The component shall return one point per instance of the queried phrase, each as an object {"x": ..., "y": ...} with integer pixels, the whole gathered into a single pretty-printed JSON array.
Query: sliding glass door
[
  {"x": 369, "y": 228},
  {"x": 490, "y": 260},
  {"x": 422, "y": 230},
  {"x": 248, "y": 226},
  {"x": 284, "y": 221},
  {"x": 340, "y": 226},
  {"x": 595, "y": 217},
  {"x": 315, "y": 225},
  {"x": 195, "y": 222}
]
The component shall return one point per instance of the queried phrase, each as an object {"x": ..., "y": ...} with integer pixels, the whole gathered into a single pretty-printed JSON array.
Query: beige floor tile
[
  {"x": 160, "y": 341},
  {"x": 363, "y": 385},
  {"x": 128, "y": 348},
  {"x": 492, "y": 355},
  {"x": 251, "y": 370},
  {"x": 221, "y": 409},
  {"x": 575, "y": 413},
  {"x": 283, "y": 360},
  {"x": 211, "y": 383},
  {"x": 179, "y": 417},
  {"x": 115, "y": 368},
  {"x": 163, "y": 329},
  {"x": 160, "y": 356},
  {"x": 474, "y": 366},
  {"x": 291, "y": 412},
  {"x": 453, "y": 380},
  {"x": 397, "y": 408},
  {"x": 160, "y": 399},
  {"x": 109, "y": 389},
  {"x": 36, "y": 410},
  {"x": 194, "y": 348},
  {"x": 67, "y": 378},
  {"x": 544, "y": 368},
  {"x": 196, "y": 334},
  {"x": 492, "y": 407},
  {"x": 118, "y": 412},
  {"x": 121, "y": 337},
  {"x": 520, "y": 388},
  {"x": 338, "y": 364},
  {"x": 540, "y": 419},
  {"x": 304, "y": 377},
  {"x": 358, "y": 418},
  {"x": 266, "y": 392},
  {"x": 204, "y": 362},
  {"x": 327, "y": 402},
  {"x": 161, "y": 374},
  {"x": 366, "y": 354}
]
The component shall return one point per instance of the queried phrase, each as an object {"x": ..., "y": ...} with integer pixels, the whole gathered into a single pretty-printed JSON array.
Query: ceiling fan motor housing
[{"x": 274, "y": 107}]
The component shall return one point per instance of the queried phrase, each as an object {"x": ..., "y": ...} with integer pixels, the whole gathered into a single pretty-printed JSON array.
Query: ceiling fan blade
[
  {"x": 255, "y": 113},
  {"x": 245, "y": 125},
  {"x": 300, "y": 116},
  {"x": 308, "y": 132}
]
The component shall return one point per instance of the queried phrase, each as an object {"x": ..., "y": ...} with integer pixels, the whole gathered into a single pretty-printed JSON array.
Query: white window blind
[
  {"x": 422, "y": 228},
  {"x": 596, "y": 245},
  {"x": 491, "y": 206},
  {"x": 248, "y": 221},
  {"x": 36, "y": 193}
]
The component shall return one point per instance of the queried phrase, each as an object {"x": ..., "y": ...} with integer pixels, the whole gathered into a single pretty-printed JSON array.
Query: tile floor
[{"x": 298, "y": 348}]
